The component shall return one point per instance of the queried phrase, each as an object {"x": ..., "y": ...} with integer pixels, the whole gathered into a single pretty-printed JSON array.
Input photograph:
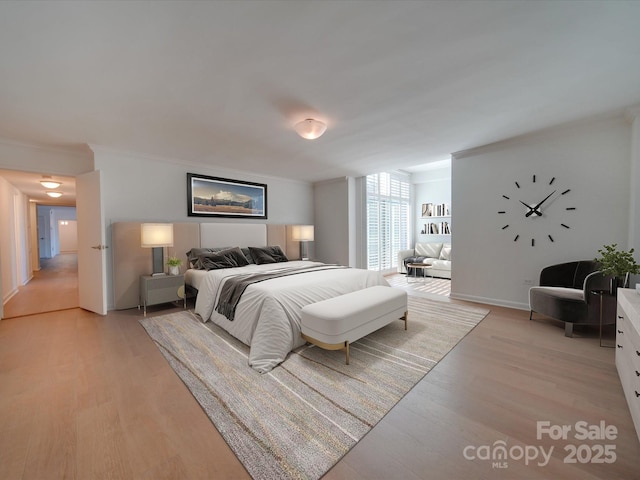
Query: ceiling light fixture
[
  {"x": 48, "y": 182},
  {"x": 310, "y": 128},
  {"x": 54, "y": 194}
]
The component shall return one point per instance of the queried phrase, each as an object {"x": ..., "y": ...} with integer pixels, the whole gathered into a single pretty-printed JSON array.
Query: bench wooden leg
[{"x": 329, "y": 346}]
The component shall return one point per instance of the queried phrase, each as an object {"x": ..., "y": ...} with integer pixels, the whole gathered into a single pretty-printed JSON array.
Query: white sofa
[{"x": 438, "y": 255}]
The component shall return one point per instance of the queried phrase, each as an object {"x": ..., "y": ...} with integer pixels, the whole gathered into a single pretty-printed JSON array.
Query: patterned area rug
[{"x": 299, "y": 419}]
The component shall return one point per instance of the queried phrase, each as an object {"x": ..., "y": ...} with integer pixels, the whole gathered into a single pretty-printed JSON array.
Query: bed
[{"x": 267, "y": 314}]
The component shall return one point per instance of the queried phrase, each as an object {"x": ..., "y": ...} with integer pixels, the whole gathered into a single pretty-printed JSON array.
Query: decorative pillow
[
  {"x": 232, "y": 257},
  {"x": 247, "y": 254},
  {"x": 445, "y": 253},
  {"x": 431, "y": 250},
  {"x": 268, "y": 255},
  {"x": 194, "y": 253}
]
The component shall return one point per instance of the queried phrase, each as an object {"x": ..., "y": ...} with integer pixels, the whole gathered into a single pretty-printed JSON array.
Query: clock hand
[
  {"x": 528, "y": 206},
  {"x": 531, "y": 211},
  {"x": 536, "y": 207}
]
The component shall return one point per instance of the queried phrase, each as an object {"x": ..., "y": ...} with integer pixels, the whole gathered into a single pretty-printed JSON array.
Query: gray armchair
[{"x": 567, "y": 293}]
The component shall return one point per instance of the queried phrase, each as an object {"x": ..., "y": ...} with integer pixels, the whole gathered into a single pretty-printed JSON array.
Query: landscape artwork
[{"x": 213, "y": 196}]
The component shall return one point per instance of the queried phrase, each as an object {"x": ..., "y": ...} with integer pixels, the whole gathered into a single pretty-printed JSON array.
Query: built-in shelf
[{"x": 436, "y": 211}]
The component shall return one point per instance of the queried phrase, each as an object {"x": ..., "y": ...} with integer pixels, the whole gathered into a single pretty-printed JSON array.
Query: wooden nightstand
[{"x": 161, "y": 289}]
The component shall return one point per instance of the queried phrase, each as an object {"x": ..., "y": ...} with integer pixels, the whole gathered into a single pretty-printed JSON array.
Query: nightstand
[{"x": 161, "y": 289}]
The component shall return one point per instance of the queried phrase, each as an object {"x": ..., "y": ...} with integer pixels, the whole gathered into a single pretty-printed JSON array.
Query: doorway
[{"x": 54, "y": 285}]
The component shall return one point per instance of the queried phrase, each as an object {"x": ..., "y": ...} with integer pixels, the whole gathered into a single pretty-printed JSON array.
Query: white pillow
[
  {"x": 431, "y": 250},
  {"x": 445, "y": 253}
]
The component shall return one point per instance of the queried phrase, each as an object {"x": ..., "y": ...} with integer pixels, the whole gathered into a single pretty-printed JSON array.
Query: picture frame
[{"x": 223, "y": 197}]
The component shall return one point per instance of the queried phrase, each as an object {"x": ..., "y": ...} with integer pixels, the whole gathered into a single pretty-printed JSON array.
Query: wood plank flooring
[
  {"x": 53, "y": 287},
  {"x": 88, "y": 397}
]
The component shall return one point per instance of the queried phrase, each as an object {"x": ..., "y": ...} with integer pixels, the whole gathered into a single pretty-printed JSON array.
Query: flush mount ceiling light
[
  {"x": 310, "y": 128},
  {"x": 47, "y": 182},
  {"x": 54, "y": 194}
]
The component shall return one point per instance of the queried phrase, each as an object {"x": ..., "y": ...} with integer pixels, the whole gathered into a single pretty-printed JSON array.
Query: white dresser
[{"x": 628, "y": 350}]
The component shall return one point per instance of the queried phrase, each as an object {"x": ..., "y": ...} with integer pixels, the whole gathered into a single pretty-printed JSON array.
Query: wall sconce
[
  {"x": 310, "y": 128},
  {"x": 303, "y": 234},
  {"x": 156, "y": 236}
]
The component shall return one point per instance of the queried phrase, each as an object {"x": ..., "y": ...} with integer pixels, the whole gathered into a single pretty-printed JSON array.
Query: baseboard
[
  {"x": 10, "y": 295},
  {"x": 490, "y": 301}
]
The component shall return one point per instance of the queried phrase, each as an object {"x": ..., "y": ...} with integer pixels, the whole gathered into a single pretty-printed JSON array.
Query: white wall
[
  {"x": 9, "y": 275},
  {"x": 138, "y": 188},
  {"x": 333, "y": 200},
  {"x": 591, "y": 158}
]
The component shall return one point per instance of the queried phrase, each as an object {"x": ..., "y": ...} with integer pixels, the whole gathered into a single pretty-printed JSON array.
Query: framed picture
[{"x": 222, "y": 197}]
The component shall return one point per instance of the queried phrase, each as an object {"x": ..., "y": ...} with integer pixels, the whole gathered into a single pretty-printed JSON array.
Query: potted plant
[
  {"x": 174, "y": 265},
  {"x": 619, "y": 264}
]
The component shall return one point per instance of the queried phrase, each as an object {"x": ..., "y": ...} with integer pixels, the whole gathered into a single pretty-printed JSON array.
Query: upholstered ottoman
[{"x": 335, "y": 323}]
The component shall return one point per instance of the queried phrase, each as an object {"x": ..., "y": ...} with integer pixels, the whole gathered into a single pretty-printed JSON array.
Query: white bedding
[{"x": 268, "y": 315}]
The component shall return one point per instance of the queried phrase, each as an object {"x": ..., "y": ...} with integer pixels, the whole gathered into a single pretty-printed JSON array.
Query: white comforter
[{"x": 268, "y": 315}]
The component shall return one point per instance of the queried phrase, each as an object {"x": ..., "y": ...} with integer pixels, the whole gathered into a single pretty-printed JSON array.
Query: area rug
[{"x": 299, "y": 419}]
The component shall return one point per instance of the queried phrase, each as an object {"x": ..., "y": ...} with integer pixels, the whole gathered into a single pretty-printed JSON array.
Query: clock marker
[
  {"x": 534, "y": 179},
  {"x": 566, "y": 191},
  {"x": 517, "y": 184},
  {"x": 504, "y": 196},
  {"x": 565, "y": 226},
  {"x": 516, "y": 239},
  {"x": 506, "y": 226},
  {"x": 552, "y": 180},
  {"x": 533, "y": 242},
  {"x": 571, "y": 208},
  {"x": 550, "y": 238},
  {"x": 502, "y": 211}
]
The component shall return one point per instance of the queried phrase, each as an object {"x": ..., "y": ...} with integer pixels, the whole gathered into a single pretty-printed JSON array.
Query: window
[{"x": 388, "y": 210}]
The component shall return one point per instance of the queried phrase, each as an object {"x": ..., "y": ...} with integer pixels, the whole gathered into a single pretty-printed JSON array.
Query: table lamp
[
  {"x": 156, "y": 236},
  {"x": 303, "y": 234}
]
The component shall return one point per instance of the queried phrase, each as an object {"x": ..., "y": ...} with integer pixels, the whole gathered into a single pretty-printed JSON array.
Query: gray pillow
[
  {"x": 194, "y": 253},
  {"x": 229, "y": 258},
  {"x": 268, "y": 255}
]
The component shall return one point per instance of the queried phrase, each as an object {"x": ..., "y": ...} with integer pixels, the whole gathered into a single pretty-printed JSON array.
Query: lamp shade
[
  {"x": 302, "y": 233},
  {"x": 310, "y": 128},
  {"x": 156, "y": 235}
]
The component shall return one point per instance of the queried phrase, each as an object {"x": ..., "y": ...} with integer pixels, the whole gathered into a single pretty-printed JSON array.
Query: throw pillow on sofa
[
  {"x": 445, "y": 253},
  {"x": 431, "y": 250}
]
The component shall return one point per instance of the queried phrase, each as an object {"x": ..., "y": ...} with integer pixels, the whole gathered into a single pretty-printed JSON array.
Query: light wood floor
[
  {"x": 53, "y": 287},
  {"x": 89, "y": 397}
]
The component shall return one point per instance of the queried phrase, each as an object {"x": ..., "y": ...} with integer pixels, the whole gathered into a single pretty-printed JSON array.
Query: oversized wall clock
[{"x": 541, "y": 204}]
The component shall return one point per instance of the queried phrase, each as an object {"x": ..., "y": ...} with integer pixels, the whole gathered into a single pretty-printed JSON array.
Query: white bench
[{"x": 335, "y": 323}]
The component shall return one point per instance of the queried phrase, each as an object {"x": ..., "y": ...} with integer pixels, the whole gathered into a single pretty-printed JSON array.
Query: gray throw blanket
[{"x": 234, "y": 287}]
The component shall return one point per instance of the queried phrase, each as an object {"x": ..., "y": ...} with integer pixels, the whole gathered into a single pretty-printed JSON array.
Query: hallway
[{"x": 54, "y": 287}]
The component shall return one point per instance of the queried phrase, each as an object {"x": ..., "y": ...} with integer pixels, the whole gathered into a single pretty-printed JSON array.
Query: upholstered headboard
[{"x": 233, "y": 235}]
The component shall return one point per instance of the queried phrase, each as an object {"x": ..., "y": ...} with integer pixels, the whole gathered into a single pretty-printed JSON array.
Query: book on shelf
[
  {"x": 427, "y": 209},
  {"x": 442, "y": 210},
  {"x": 435, "y": 210}
]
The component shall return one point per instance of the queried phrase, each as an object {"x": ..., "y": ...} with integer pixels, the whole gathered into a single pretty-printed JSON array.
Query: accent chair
[{"x": 572, "y": 293}]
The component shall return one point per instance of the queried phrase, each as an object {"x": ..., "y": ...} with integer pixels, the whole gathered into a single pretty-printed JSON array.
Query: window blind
[{"x": 388, "y": 210}]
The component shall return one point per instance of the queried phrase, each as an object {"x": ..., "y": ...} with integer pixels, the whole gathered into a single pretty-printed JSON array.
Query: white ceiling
[{"x": 399, "y": 83}]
